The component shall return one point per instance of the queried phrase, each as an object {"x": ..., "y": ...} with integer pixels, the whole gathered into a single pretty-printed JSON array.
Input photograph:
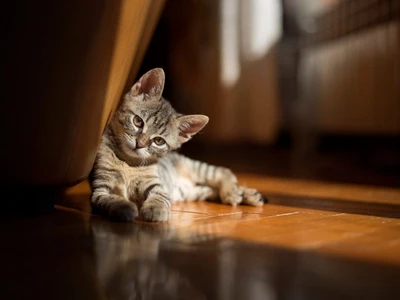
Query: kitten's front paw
[
  {"x": 123, "y": 212},
  {"x": 154, "y": 212}
]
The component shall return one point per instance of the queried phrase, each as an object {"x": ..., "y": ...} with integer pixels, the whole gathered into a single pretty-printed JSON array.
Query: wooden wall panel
[{"x": 353, "y": 60}]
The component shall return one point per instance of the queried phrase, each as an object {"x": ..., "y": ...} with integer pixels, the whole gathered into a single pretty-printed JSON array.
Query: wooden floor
[
  {"x": 351, "y": 221},
  {"x": 312, "y": 240}
]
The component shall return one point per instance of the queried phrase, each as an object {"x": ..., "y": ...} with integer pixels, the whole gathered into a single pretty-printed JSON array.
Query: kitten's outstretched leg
[{"x": 219, "y": 178}]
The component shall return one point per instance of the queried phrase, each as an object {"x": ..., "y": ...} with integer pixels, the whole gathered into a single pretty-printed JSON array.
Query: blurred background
[{"x": 295, "y": 88}]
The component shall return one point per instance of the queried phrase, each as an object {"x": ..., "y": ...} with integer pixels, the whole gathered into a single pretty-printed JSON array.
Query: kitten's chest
[{"x": 133, "y": 174}]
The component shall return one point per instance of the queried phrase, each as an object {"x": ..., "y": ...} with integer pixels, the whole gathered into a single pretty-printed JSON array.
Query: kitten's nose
[{"x": 141, "y": 142}]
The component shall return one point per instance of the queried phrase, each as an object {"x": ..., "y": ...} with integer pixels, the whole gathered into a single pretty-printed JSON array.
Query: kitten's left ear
[
  {"x": 190, "y": 125},
  {"x": 151, "y": 83}
]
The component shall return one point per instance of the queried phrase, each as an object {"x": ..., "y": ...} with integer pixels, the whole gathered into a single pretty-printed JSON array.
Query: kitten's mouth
[
  {"x": 132, "y": 145},
  {"x": 139, "y": 148},
  {"x": 142, "y": 152}
]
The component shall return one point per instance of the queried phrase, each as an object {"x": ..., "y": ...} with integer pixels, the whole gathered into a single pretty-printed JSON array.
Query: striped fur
[{"x": 137, "y": 166}]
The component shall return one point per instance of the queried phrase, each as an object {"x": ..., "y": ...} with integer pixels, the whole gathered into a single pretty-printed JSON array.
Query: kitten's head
[{"x": 146, "y": 126}]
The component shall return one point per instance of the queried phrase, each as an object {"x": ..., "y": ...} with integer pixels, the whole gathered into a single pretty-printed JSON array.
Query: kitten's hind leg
[
  {"x": 219, "y": 178},
  {"x": 232, "y": 193},
  {"x": 201, "y": 193},
  {"x": 252, "y": 197}
]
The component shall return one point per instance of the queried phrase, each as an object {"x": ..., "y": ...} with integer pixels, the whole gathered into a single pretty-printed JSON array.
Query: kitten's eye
[
  {"x": 159, "y": 141},
  {"x": 137, "y": 121}
]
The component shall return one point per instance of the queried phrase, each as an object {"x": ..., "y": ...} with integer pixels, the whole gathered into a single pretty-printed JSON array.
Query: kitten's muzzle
[
  {"x": 141, "y": 142},
  {"x": 139, "y": 146}
]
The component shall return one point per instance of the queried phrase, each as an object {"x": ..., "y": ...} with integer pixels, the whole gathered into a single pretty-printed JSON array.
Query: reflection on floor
[{"x": 312, "y": 241}]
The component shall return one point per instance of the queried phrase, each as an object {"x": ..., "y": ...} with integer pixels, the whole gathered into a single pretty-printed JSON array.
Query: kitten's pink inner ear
[
  {"x": 151, "y": 83},
  {"x": 190, "y": 125},
  {"x": 135, "y": 90}
]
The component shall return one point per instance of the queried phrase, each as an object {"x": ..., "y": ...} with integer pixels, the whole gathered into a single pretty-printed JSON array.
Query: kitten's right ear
[{"x": 151, "y": 83}]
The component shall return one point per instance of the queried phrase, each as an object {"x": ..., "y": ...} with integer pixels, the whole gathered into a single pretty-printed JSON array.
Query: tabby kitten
[{"x": 136, "y": 165}]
